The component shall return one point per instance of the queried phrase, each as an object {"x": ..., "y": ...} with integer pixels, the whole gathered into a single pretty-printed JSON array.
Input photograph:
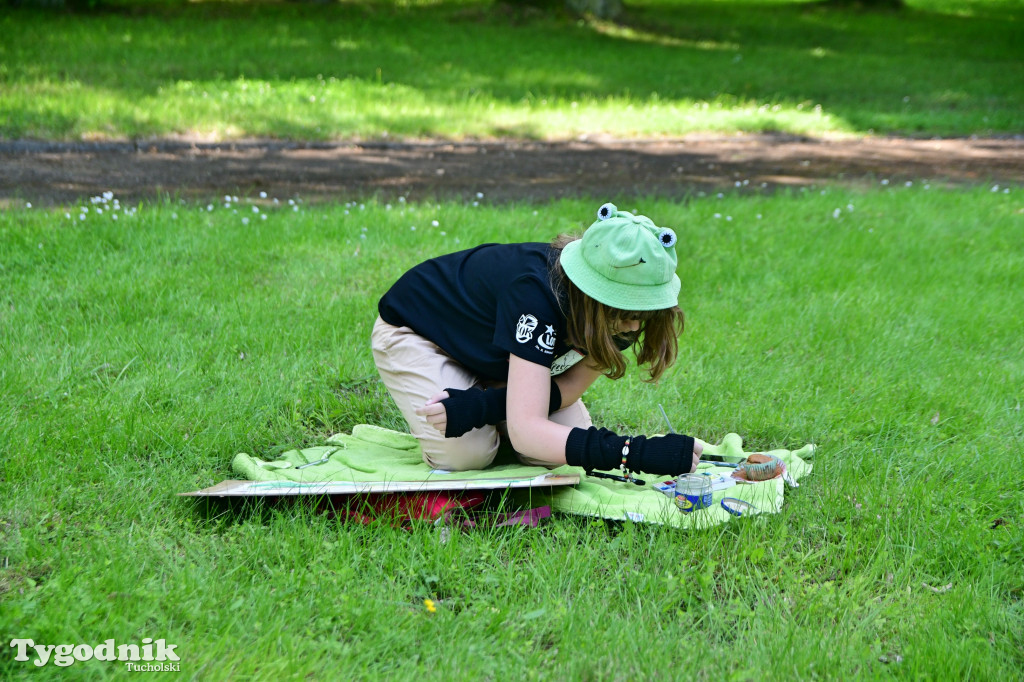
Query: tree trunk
[{"x": 602, "y": 9}]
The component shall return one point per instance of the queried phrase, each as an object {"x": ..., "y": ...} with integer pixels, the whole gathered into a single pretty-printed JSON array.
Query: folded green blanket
[
  {"x": 616, "y": 500},
  {"x": 372, "y": 453},
  {"x": 369, "y": 454}
]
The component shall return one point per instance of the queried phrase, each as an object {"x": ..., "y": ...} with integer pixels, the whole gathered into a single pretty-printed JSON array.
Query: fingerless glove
[
  {"x": 601, "y": 449},
  {"x": 474, "y": 407}
]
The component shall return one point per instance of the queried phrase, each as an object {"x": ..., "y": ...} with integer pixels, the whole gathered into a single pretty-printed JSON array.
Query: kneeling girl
[{"x": 516, "y": 333}]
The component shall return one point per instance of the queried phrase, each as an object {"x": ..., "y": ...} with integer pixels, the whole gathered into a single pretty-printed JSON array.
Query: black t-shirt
[{"x": 482, "y": 304}]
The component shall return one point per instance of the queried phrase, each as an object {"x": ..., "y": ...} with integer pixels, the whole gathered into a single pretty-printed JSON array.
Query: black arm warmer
[
  {"x": 474, "y": 407},
  {"x": 601, "y": 449}
]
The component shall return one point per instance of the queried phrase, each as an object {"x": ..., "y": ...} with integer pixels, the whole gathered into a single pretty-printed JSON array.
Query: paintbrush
[
  {"x": 718, "y": 460},
  {"x": 613, "y": 477}
]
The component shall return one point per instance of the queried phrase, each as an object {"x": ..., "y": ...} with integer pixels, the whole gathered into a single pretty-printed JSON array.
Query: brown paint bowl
[{"x": 760, "y": 467}]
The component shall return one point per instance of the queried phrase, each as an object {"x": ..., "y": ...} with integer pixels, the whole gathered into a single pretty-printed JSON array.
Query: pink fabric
[{"x": 401, "y": 507}]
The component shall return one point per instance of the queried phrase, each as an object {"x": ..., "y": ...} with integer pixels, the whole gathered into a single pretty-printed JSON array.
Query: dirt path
[{"x": 58, "y": 173}]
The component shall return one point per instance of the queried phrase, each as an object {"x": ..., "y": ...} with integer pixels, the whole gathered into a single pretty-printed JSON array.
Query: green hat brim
[{"x": 616, "y": 294}]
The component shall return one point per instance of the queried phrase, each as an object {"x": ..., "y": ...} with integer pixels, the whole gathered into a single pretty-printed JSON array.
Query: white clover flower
[
  {"x": 209, "y": 207},
  {"x": 245, "y": 221},
  {"x": 434, "y": 223},
  {"x": 263, "y": 195},
  {"x": 479, "y": 195},
  {"x": 263, "y": 216},
  {"x": 255, "y": 209},
  {"x": 718, "y": 215},
  {"x": 28, "y": 204},
  {"x": 836, "y": 213},
  {"x": 113, "y": 216},
  {"x": 728, "y": 218},
  {"x": 885, "y": 182}
]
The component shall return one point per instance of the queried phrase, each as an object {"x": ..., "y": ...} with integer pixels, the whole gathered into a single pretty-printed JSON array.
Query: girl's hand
[
  {"x": 434, "y": 411},
  {"x": 698, "y": 450}
]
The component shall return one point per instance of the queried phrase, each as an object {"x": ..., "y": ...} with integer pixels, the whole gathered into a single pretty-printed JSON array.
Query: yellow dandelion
[{"x": 429, "y": 603}]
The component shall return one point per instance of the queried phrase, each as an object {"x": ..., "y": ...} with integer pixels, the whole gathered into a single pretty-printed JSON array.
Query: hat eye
[
  {"x": 606, "y": 211},
  {"x": 667, "y": 238}
]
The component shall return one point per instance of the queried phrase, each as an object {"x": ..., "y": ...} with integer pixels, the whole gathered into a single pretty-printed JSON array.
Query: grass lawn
[
  {"x": 140, "y": 354},
  {"x": 472, "y": 69}
]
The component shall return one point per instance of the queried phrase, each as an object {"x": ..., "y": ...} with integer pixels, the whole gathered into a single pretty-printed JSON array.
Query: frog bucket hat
[{"x": 624, "y": 261}]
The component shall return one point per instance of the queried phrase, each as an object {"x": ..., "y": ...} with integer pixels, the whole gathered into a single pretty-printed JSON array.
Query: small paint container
[
  {"x": 738, "y": 507},
  {"x": 693, "y": 492}
]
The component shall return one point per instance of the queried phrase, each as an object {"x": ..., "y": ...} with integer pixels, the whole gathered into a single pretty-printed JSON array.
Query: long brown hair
[{"x": 592, "y": 326}]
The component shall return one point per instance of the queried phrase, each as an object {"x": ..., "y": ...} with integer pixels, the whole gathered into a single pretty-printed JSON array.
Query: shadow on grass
[
  {"x": 903, "y": 71},
  {"x": 458, "y": 510}
]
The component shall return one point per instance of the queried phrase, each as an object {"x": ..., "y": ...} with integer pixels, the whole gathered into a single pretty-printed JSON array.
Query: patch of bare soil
[{"x": 47, "y": 173}]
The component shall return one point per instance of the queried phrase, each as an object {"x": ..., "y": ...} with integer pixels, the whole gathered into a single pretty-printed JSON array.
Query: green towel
[
  {"x": 372, "y": 453},
  {"x": 617, "y": 500}
]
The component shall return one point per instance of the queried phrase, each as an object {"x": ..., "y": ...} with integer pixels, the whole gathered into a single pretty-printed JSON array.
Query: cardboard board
[{"x": 279, "y": 488}]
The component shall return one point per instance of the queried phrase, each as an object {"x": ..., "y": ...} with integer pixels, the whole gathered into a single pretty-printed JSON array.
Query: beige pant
[{"x": 414, "y": 369}]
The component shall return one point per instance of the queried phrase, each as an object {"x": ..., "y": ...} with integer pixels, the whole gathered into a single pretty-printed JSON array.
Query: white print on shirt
[
  {"x": 524, "y": 330},
  {"x": 547, "y": 339},
  {"x": 565, "y": 362}
]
